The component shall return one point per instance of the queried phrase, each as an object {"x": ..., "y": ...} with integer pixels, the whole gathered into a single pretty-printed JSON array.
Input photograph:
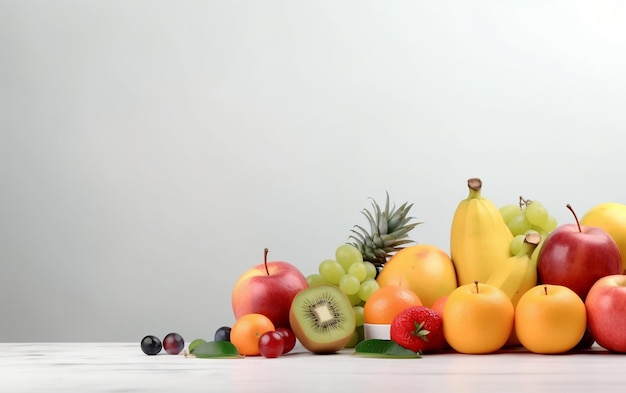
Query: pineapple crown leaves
[
  {"x": 420, "y": 331},
  {"x": 388, "y": 231}
]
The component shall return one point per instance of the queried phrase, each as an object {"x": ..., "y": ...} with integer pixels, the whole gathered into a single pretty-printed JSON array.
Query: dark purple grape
[
  {"x": 222, "y": 334},
  {"x": 173, "y": 343},
  {"x": 151, "y": 345}
]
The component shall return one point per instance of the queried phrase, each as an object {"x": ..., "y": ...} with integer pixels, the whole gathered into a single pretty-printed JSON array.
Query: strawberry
[{"x": 419, "y": 329}]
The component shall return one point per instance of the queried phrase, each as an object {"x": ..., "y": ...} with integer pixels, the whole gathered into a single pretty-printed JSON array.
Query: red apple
[
  {"x": 606, "y": 312},
  {"x": 577, "y": 256},
  {"x": 268, "y": 288}
]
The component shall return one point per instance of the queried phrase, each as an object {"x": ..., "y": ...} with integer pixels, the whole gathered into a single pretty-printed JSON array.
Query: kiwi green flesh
[{"x": 322, "y": 319}]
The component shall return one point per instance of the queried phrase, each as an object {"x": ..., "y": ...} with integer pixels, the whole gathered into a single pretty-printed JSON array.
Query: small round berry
[
  {"x": 151, "y": 345},
  {"x": 222, "y": 334},
  {"x": 271, "y": 344},
  {"x": 289, "y": 338},
  {"x": 173, "y": 343}
]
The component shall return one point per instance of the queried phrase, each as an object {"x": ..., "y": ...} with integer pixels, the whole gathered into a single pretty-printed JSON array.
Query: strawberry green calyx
[{"x": 420, "y": 331}]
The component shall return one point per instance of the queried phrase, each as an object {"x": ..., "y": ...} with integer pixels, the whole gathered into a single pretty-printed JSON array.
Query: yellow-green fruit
[
  {"x": 424, "y": 269},
  {"x": 611, "y": 217},
  {"x": 528, "y": 281},
  {"x": 517, "y": 274},
  {"x": 479, "y": 238},
  {"x": 509, "y": 274},
  {"x": 357, "y": 337}
]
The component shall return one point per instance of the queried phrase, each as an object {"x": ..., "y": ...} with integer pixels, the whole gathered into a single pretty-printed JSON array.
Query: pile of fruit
[{"x": 513, "y": 278}]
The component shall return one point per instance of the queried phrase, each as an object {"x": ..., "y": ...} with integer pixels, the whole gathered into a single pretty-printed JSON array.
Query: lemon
[{"x": 610, "y": 216}]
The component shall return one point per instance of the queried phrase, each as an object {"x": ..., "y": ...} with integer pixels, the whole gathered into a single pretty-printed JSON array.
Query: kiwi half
[{"x": 322, "y": 318}]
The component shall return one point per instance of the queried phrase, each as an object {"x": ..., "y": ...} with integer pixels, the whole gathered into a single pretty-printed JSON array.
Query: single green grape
[
  {"x": 349, "y": 284},
  {"x": 537, "y": 214},
  {"x": 358, "y": 270},
  {"x": 550, "y": 225},
  {"x": 356, "y": 338},
  {"x": 535, "y": 229},
  {"x": 347, "y": 254},
  {"x": 331, "y": 270},
  {"x": 368, "y": 287},
  {"x": 355, "y": 300},
  {"x": 358, "y": 315},
  {"x": 516, "y": 245},
  {"x": 519, "y": 224},
  {"x": 371, "y": 270},
  {"x": 315, "y": 279},
  {"x": 509, "y": 211}
]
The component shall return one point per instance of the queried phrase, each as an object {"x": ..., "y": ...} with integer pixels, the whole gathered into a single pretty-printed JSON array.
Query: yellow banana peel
[
  {"x": 529, "y": 281},
  {"x": 517, "y": 274},
  {"x": 509, "y": 275},
  {"x": 479, "y": 238}
]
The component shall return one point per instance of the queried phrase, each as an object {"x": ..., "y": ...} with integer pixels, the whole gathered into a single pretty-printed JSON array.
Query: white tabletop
[{"x": 122, "y": 367}]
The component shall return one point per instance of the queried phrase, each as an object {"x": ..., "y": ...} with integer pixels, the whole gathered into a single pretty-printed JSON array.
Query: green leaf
[
  {"x": 384, "y": 349},
  {"x": 195, "y": 343},
  {"x": 216, "y": 349}
]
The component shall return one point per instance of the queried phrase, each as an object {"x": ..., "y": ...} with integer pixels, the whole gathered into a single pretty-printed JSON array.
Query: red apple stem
[
  {"x": 545, "y": 290},
  {"x": 265, "y": 260},
  {"x": 575, "y": 217},
  {"x": 476, "y": 283}
]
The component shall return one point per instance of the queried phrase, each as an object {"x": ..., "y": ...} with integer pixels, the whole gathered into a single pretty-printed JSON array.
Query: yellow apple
[
  {"x": 611, "y": 217},
  {"x": 550, "y": 319},
  {"x": 477, "y": 318}
]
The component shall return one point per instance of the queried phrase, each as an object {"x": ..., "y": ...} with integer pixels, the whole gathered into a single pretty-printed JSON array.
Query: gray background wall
[{"x": 150, "y": 150}]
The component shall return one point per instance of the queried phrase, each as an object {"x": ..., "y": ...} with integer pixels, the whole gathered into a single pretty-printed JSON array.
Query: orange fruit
[
  {"x": 438, "y": 307},
  {"x": 550, "y": 319},
  {"x": 439, "y": 304},
  {"x": 424, "y": 269},
  {"x": 247, "y": 330},
  {"x": 386, "y": 302},
  {"x": 477, "y": 318}
]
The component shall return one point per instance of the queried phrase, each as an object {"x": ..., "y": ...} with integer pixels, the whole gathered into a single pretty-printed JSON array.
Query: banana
[
  {"x": 517, "y": 274},
  {"x": 528, "y": 281},
  {"x": 531, "y": 242},
  {"x": 479, "y": 238},
  {"x": 508, "y": 276}
]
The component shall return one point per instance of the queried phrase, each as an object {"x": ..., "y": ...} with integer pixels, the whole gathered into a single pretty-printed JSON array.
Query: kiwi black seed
[{"x": 322, "y": 318}]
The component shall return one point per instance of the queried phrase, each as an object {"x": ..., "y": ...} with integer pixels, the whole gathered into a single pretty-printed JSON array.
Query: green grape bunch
[
  {"x": 527, "y": 216},
  {"x": 348, "y": 271}
]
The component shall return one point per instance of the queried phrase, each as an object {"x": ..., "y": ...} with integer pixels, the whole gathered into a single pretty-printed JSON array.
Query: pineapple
[{"x": 388, "y": 232}]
